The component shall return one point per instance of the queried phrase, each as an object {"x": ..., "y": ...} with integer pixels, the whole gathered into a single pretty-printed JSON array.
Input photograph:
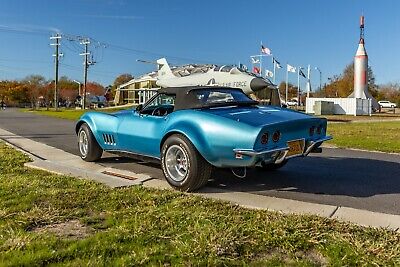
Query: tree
[
  {"x": 343, "y": 85},
  {"x": 390, "y": 91},
  {"x": 69, "y": 89},
  {"x": 292, "y": 90},
  {"x": 13, "y": 92},
  {"x": 121, "y": 79},
  {"x": 34, "y": 84},
  {"x": 95, "y": 88}
]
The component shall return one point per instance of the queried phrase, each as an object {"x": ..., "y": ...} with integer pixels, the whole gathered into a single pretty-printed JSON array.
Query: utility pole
[
  {"x": 86, "y": 64},
  {"x": 57, "y": 55}
]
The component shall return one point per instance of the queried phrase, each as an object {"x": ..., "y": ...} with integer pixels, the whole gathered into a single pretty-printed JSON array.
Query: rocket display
[
  {"x": 361, "y": 66},
  {"x": 361, "y": 70}
]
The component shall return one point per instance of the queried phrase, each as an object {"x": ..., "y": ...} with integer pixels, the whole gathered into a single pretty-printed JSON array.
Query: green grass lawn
[
  {"x": 69, "y": 114},
  {"x": 47, "y": 219},
  {"x": 380, "y": 136}
]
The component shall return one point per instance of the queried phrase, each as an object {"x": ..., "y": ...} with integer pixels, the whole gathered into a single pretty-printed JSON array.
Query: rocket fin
[{"x": 367, "y": 95}]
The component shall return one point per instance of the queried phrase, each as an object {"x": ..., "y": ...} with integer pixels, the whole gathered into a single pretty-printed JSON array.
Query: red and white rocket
[
  {"x": 361, "y": 70},
  {"x": 361, "y": 66}
]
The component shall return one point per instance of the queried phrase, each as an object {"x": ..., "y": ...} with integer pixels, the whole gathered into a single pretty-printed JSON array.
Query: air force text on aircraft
[{"x": 234, "y": 84}]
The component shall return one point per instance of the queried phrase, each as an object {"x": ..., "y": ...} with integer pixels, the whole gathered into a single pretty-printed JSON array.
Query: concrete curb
[{"x": 58, "y": 161}]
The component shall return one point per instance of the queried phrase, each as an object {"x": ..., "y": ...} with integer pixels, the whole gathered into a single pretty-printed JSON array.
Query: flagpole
[
  {"x": 287, "y": 74},
  {"x": 260, "y": 56},
  {"x": 298, "y": 85},
  {"x": 273, "y": 62},
  {"x": 308, "y": 81}
]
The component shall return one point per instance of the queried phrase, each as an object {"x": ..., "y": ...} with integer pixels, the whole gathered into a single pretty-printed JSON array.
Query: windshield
[{"x": 222, "y": 96}]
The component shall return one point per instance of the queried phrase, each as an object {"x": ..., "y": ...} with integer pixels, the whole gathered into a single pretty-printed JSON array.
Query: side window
[{"x": 161, "y": 105}]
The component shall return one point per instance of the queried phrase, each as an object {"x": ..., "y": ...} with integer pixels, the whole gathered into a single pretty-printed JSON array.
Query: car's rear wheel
[
  {"x": 183, "y": 166},
  {"x": 89, "y": 149},
  {"x": 273, "y": 166}
]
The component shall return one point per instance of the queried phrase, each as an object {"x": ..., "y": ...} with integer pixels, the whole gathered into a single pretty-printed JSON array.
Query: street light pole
[
  {"x": 80, "y": 85},
  {"x": 79, "y": 89}
]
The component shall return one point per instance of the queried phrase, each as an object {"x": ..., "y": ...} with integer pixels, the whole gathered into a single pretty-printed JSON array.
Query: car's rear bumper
[{"x": 250, "y": 157}]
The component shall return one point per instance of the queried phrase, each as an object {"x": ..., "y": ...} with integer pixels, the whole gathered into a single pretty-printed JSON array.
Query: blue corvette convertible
[{"x": 190, "y": 130}]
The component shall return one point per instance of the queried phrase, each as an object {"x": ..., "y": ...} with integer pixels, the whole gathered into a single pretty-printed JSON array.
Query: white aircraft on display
[{"x": 208, "y": 75}]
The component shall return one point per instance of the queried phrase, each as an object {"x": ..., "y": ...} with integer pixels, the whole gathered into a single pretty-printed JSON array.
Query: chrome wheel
[
  {"x": 176, "y": 163},
  {"x": 83, "y": 143}
]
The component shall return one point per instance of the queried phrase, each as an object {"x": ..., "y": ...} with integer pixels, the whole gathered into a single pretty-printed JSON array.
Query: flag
[
  {"x": 255, "y": 60},
  {"x": 291, "y": 68},
  {"x": 277, "y": 64},
  {"x": 256, "y": 70},
  {"x": 265, "y": 50},
  {"x": 269, "y": 73},
  {"x": 301, "y": 73}
]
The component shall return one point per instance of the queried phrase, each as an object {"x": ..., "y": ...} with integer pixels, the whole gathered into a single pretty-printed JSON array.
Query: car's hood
[{"x": 258, "y": 115}]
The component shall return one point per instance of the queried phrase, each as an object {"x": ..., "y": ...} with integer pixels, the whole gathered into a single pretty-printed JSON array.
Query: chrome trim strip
[{"x": 113, "y": 151}]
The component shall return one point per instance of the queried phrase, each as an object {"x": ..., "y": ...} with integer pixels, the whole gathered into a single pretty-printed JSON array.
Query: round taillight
[
  {"x": 264, "y": 138},
  {"x": 319, "y": 129},
  {"x": 312, "y": 129},
  {"x": 276, "y": 136}
]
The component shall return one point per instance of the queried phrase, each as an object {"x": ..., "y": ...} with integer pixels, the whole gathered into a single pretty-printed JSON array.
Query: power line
[{"x": 25, "y": 60}]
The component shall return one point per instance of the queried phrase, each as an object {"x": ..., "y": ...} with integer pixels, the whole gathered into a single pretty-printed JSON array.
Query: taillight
[
  {"x": 276, "y": 136},
  {"x": 264, "y": 138},
  {"x": 312, "y": 129}
]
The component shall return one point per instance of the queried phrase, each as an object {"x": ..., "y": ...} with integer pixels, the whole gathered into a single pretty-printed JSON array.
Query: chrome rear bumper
[{"x": 277, "y": 155}]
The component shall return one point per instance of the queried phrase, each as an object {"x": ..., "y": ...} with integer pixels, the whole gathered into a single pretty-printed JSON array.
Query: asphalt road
[{"x": 341, "y": 177}]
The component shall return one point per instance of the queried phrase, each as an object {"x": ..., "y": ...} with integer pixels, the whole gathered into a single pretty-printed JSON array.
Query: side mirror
[
  {"x": 284, "y": 106},
  {"x": 139, "y": 107}
]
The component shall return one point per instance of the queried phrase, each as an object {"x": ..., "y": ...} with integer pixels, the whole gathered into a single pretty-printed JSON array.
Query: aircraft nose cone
[{"x": 258, "y": 84}]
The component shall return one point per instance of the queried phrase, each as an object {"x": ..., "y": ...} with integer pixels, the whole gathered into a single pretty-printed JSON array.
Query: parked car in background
[
  {"x": 387, "y": 104},
  {"x": 92, "y": 101},
  {"x": 292, "y": 103},
  {"x": 191, "y": 130}
]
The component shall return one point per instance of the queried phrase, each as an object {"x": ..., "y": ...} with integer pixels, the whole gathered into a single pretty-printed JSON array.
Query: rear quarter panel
[{"x": 214, "y": 136}]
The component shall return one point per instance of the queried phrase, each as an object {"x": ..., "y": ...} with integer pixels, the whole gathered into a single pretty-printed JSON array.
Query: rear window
[{"x": 216, "y": 96}]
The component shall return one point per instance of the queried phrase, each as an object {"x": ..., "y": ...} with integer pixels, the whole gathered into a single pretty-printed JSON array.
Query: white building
[{"x": 137, "y": 91}]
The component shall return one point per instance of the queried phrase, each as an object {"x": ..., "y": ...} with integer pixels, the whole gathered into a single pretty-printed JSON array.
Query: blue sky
[{"x": 317, "y": 32}]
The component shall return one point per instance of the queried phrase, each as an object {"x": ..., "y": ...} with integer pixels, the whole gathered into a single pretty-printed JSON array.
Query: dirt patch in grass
[{"x": 71, "y": 229}]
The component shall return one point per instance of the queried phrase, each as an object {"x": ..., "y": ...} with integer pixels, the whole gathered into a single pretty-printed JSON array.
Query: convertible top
[{"x": 186, "y": 99}]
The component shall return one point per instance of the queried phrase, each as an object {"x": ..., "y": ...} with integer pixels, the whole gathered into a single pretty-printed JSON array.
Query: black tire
[
  {"x": 273, "y": 166},
  {"x": 198, "y": 169},
  {"x": 94, "y": 151}
]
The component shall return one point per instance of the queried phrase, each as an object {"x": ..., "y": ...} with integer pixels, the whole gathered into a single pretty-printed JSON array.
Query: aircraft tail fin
[{"x": 164, "y": 71}]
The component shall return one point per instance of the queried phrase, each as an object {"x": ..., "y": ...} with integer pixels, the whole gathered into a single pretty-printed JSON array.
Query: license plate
[{"x": 295, "y": 147}]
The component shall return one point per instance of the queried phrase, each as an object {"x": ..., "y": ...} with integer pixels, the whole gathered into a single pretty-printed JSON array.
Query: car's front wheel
[
  {"x": 183, "y": 166},
  {"x": 89, "y": 149}
]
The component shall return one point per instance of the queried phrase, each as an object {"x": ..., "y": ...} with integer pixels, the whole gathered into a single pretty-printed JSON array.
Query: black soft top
[{"x": 187, "y": 99}]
